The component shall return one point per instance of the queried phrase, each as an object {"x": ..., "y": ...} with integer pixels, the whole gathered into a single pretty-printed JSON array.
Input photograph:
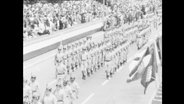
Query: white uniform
[
  {"x": 27, "y": 91},
  {"x": 49, "y": 99},
  {"x": 61, "y": 71},
  {"x": 107, "y": 64},
  {"x": 75, "y": 89},
  {"x": 84, "y": 65},
  {"x": 35, "y": 87},
  {"x": 60, "y": 96},
  {"x": 68, "y": 95}
]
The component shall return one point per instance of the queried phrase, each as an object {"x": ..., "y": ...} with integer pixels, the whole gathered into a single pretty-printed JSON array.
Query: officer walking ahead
[
  {"x": 75, "y": 88},
  {"x": 59, "y": 93},
  {"x": 48, "y": 97},
  {"x": 34, "y": 85},
  {"x": 84, "y": 66},
  {"x": 107, "y": 66},
  {"x": 27, "y": 92}
]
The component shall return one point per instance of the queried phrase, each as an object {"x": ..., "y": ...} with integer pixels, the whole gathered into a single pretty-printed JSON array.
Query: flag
[
  {"x": 137, "y": 71},
  {"x": 149, "y": 73}
]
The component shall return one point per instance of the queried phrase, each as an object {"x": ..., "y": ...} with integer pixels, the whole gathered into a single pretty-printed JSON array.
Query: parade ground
[
  {"x": 72, "y": 49},
  {"x": 96, "y": 89}
]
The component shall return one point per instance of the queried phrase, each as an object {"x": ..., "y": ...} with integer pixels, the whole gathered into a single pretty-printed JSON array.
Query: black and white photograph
[{"x": 92, "y": 51}]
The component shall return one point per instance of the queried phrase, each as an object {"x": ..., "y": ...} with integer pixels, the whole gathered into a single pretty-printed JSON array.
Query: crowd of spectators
[
  {"x": 40, "y": 19},
  {"x": 127, "y": 13},
  {"x": 44, "y": 18}
]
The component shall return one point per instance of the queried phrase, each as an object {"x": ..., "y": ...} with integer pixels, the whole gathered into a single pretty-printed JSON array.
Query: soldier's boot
[
  {"x": 95, "y": 68},
  {"x": 121, "y": 63},
  {"x": 115, "y": 69},
  {"x": 99, "y": 66},
  {"x": 107, "y": 76},
  {"x": 91, "y": 72},
  {"x": 88, "y": 74},
  {"x": 118, "y": 66},
  {"x": 111, "y": 74},
  {"x": 72, "y": 69},
  {"x": 125, "y": 61},
  {"x": 83, "y": 76},
  {"x": 76, "y": 66}
]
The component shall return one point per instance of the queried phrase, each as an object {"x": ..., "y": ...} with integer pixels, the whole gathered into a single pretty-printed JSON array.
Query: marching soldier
[
  {"x": 48, "y": 97},
  {"x": 98, "y": 60},
  {"x": 68, "y": 66},
  {"x": 34, "y": 85},
  {"x": 95, "y": 61},
  {"x": 112, "y": 66},
  {"x": 107, "y": 64},
  {"x": 27, "y": 92},
  {"x": 116, "y": 62},
  {"x": 59, "y": 93},
  {"x": 83, "y": 69},
  {"x": 75, "y": 88},
  {"x": 72, "y": 61},
  {"x": 121, "y": 57},
  {"x": 68, "y": 93},
  {"x": 88, "y": 65},
  {"x": 76, "y": 60},
  {"x": 35, "y": 98},
  {"x": 69, "y": 71},
  {"x": 102, "y": 60},
  {"x": 59, "y": 55},
  {"x": 61, "y": 71},
  {"x": 92, "y": 62},
  {"x": 79, "y": 58},
  {"x": 84, "y": 65},
  {"x": 125, "y": 54}
]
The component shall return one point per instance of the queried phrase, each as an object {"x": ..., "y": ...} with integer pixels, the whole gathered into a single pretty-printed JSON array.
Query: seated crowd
[{"x": 41, "y": 19}]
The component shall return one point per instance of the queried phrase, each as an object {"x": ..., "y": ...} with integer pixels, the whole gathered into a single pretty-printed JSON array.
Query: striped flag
[
  {"x": 137, "y": 67},
  {"x": 149, "y": 73},
  {"x": 145, "y": 69}
]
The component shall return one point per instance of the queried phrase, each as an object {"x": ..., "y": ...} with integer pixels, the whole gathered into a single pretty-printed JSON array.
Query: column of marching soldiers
[
  {"x": 86, "y": 55},
  {"x": 109, "y": 54}
]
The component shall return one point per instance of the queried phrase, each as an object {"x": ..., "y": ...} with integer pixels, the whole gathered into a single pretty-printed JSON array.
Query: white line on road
[
  {"x": 157, "y": 100},
  {"x": 105, "y": 82},
  {"x": 89, "y": 97}
]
